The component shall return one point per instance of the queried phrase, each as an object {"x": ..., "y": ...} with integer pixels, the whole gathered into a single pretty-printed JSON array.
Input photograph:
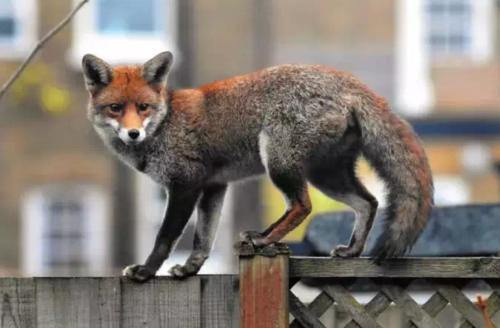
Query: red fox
[{"x": 297, "y": 123}]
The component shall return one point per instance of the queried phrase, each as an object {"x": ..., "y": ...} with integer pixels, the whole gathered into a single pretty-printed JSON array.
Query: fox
[{"x": 299, "y": 124}]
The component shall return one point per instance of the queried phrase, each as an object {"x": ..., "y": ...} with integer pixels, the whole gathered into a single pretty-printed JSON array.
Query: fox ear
[
  {"x": 155, "y": 70},
  {"x": 97, "y": 73}
]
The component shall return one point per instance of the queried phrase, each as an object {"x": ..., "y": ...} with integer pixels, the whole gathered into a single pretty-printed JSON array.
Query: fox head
[{"x": 127, "y": 102}]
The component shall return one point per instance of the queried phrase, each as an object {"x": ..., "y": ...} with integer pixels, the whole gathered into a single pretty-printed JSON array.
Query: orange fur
[
  {"x": 227, "y": 84},
  {"x": 129, "y": 88}
]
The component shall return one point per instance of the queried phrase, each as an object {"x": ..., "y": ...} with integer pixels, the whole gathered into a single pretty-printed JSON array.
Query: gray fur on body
[
  {"x": 301, "y": 121},
  {"x": 294, "y": 106}
]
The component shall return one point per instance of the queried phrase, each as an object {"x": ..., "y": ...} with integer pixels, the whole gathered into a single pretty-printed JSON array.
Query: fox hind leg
[
  {"x": 295, "y": 192},
  {"x": 284, "y": 167},
  {"x": 346, "y": 188}
]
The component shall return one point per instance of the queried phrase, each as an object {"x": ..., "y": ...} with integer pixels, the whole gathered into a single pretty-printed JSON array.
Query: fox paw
[
  {"x": 249, "y": 235},
  {"x": 346, "y": 251},
  {"x": 138, "y": 273},
  {"x": 255, "y": 238},
  {"x": 184, "y": 271}
]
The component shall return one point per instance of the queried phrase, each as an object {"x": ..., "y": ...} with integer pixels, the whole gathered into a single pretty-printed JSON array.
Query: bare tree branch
[{"x": 38, "y": 46}]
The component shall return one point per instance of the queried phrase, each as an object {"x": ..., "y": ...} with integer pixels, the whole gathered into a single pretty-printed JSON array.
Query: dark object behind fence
[{"x": 469, "y": 230}]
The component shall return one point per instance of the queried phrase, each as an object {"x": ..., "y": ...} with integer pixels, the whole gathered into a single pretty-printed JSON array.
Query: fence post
[{"x": 263, "y": 286}]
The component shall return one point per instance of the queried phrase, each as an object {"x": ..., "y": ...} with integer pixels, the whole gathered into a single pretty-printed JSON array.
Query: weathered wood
[
  {"x": 462, "y": 304},
  {"x": 303, "y": 314},
  {"x": 466, "y": 324},
  {"x": 377, "y": 305},
  {"x": 325, "y": 267},
  {"x": 18, "y": 304},
  {"x": 433, "y": 306},
  {"x": 264, "y": 288},
  {"x": 317, "y": 307},
  {"x": 117, "y": 302},
  {"x": 78, "y": 302},
  {"x": 346, "y": 302},
  {"x": 320, "y": 304},
  {"x": 212, "y": 301},
  {"x": 493, "y": 302},
  {"x": 219, "y": 301},
  {"x": 409, "y": 307},
  {"x": 161, "y": 303}
]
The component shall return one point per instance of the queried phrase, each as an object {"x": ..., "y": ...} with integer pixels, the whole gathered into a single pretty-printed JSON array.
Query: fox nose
[{"x": 133, "y": 134}]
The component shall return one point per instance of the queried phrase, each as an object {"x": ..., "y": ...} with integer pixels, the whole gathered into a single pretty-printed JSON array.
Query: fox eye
[
  {"x": 142, "y": 107},
  {"x": 115, "y": 108}
]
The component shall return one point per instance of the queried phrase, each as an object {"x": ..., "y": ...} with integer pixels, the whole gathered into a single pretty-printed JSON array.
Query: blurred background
[{"x": 67, "y": 206}]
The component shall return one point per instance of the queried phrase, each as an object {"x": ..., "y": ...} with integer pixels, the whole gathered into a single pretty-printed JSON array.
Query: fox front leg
[
  {"x": 209, "y": 212},
  {"x": 180, "y": 207}
]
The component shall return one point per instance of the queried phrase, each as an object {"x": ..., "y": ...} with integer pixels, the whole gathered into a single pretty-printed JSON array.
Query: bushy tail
[{"x": 395, "y": 152}]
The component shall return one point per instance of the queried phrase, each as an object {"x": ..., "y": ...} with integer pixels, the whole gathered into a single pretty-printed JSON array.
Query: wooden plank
[
  {"x": 493, "y": 302},
  {"x": 466, "y": 324},
  {"x": 451, "y": 267},
  {"x": 302, "y": 314},
  {"x": 320, "y": 304},
  {"x": 462, "y": 304},
  {"x": 375, "y": 307},
  {"x": 161, "y": 303},
  {"x": 433, "y": 306},
  {"x": 219, "y": 301},
  {"x": 78, "y": 302},
  {"x": 18, "y": 307},
  {"x": 317, "y": 307},
  {"x": 349, "y": 304},
  {"x": 409, "y": 307},
  {"x": 264, "y": 287}
]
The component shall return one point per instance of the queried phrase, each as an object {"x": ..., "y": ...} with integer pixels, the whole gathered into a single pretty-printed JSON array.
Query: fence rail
[
  {"x": 416, "y": 267},
  {"x": 265, "y": 289},
  {"x": 393, "y": 284}
]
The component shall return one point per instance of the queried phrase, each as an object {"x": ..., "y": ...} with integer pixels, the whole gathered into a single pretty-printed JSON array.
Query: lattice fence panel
[{"x": 390, "y": 293}]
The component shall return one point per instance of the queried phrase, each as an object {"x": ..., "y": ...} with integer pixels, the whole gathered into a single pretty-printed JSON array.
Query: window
[
  {"x": 459, "y": 28},
  {"x": 124, "y": 31},
  {"x": 122, "y": 17},
  {"x": 17, "y": 27},
  {"x": 65, "y": 231},
  {"x": 63, "y": 234}
]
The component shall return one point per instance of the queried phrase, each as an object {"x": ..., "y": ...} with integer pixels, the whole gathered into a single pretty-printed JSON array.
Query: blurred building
[{"x": 67, "y": 206}]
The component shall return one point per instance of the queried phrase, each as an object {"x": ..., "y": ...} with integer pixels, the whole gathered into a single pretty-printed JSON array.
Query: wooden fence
[
  {"x": 263, "y": 289},
  {"x": 202, "y": 301}
]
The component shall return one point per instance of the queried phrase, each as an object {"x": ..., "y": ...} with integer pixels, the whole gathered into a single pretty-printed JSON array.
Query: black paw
[
  {"x": 184, "y": 271},
  {"x": 255, "y": 238},
  {"x": 249, "y": 235},
  {"x": 346, "y": 251},
  {"x": 138, "y": 273}
]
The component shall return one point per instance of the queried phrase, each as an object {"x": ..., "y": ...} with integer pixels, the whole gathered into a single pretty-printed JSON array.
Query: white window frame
[
  {"x": 97, "y": 249},
  {"x": 118, "y": 49},
  {"x": 482, "y": 34},
  {"x": 25, "y": 14},
  {"x": 455, "y": 188},
  {"x": 414, "y": 94}
]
